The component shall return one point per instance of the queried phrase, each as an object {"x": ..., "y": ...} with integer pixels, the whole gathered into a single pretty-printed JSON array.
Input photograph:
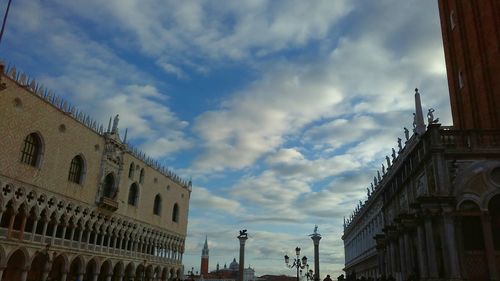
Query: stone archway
[
  {"x": 76, "y": 269},
  {"x": 149, "y": 273},
  {"x": 129, "y": 272},
  {"x": 91, "y": 271},
  {"x": 118, "y": 272},
  {"x": 140, "y": 273},
  {"x": 106, "y": 270},
  {"x": 58, "y": 271},
  {"x": 16, "y": 267},
  {"x": 38, "y": 267}
]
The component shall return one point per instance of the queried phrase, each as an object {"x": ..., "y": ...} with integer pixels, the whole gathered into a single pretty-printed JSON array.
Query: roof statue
[
  {"x": 243, "y": 234},
  {"x": 383, "y": 169},
  {"x": 114, "y": 130},
  {"x": 368, "y": 192},
  {"x": 378, "y": 176},
  {"x": 393, "y": 155},
  {"x": 399, "y": 144},
  {"x": 430, "y": 117},
  {"x": 388, "y": 160},
  {"x": 407, "y": 133}
]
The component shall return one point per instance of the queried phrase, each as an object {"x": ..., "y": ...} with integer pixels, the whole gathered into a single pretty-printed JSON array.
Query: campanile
[{"x": 471, "y": 40}]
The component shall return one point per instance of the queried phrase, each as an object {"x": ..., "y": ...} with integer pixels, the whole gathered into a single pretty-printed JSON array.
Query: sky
[{"x": 280, "y": 111}]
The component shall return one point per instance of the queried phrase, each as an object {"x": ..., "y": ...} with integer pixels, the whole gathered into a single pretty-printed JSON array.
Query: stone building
[
  {"x": 76, "y": 201},
  {"x": 434, "y": 210}
]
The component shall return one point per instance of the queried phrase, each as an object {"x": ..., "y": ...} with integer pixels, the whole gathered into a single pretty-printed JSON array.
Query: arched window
[
  {"x": 141, "y": 176},
  {"x": 76, "y": 170},
  {"x": 175, "y": 213},
  {"x": 472, "y": 230},
  {"x": 109, "y": 184},
  {"x": 157, "y": 206},
  {"x": 494, "y": 210},
  {"x": 133, "y": 194},
  {"x": 32, "y": 150},
  {"x": 131, "y": 171}
]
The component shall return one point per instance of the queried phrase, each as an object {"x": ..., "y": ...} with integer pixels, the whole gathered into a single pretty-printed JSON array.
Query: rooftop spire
[
  {"x": 204, "y": 252},
  {"x": 418, "y": 122}
]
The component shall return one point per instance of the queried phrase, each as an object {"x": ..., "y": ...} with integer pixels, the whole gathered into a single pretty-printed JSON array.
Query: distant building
[
  {"x": 76, "y": 201},
  {"x": 433, "y": 213},
  {"x": 224, "y": 274}
]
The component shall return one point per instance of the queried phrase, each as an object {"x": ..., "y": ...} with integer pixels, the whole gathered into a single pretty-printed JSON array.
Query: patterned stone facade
[{"x": 85, "y": 206}]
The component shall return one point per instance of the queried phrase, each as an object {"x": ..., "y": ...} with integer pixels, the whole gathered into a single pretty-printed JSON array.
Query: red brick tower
[
  {"x": 204, "y": 259},
  {"x": 471, "y": 39}
]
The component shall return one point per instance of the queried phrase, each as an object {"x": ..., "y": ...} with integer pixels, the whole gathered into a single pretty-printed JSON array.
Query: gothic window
[
  {"x": 76, "y": 170},
  {"x": 157, "y": 205},
  {"x": 109, "y": 184},
  {"x": 175, "y": 213},
  {"x": 32, "y": 150},
  {"x": 131, "y": 171},
  {"x": 141, "y": 176},
  {"x": 133, "y": 194},
  {"x": 472, "y": 230}
]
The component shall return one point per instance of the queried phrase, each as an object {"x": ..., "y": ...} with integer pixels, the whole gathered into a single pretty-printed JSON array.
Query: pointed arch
[
  {"x": 32, "y": 150},
  {"x": 157, "y": 205},
  {"x": 141, "y": 176},
  {"x": 175, "y": 213},
  {"x": 131, "y": 170},
  {"x": 133, "y": 194},
  {"x": 109, "y": 186},
  {"x": 77, "y": 169}
]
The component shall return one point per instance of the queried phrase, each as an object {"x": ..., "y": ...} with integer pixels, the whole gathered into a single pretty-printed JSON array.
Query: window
[
  {"x": 32, "y": 149},
  {"x": 141, "y": 176},
  {"x": 133, "y": 194},
  {"x": 131, "y": 171},
  {"x": 175, "y": 213},
  {"x": 109, "y": 183},
  {"x": 76, "y": 170},
  {"x": 157, "y": 206}
]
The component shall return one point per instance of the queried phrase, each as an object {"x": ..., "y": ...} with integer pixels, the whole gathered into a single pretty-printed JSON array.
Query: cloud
[{"x": 202, "y": 198}]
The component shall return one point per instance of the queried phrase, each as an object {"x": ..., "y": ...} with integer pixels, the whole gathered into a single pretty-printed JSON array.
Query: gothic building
[
  {"x": 76, "y": 201},
  {"x": 433, "y": 212}
]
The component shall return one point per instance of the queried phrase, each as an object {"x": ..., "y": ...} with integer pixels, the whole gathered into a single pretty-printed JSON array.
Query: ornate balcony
[{"x": 108, "y": 204}]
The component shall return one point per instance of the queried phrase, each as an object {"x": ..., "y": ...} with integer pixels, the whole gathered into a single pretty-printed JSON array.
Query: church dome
[{"x": 234, "y": 266}]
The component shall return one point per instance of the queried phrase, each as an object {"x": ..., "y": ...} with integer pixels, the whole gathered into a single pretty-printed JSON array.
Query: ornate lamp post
[{"x": 297, "y": 262}]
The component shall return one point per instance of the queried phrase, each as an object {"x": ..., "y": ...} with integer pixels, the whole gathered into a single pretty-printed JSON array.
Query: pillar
[
  {"x": 402, "y": 256},
  {"x": 489, "y": 246},
  {"x": 450, "y": 242},
  {"x": 45, "y": 224},
  {"x": 421, "y": 250},
  {"x": 11, "y": 224},
  {"x": 1, "y": 268},
  {"x": 63, "y": 276},
  {"x": 72, "y": 233},
  {"x": 24, "y": 274},
  {"x": 243, "y": 238},
  {"x": 33, "y": 231},
  {"x": 316, "y": 237},
  {"x": 23, "y": 226},
  {"x": 431, "y": 249}
]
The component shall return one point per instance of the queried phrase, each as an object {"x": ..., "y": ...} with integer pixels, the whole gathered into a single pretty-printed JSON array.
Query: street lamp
[{"x": 297, "y": 262}]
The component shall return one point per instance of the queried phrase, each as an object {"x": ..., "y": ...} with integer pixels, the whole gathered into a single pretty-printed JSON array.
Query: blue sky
[{"x": 280, "y": 111}]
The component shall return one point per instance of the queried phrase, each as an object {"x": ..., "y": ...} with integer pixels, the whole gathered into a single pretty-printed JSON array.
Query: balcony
[{"x": 108, "y": 204}]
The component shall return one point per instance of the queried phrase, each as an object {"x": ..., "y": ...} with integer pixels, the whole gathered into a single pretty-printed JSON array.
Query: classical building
[
  {"x": 76, "y": 201},
  {"x": 433, "y": 211}
]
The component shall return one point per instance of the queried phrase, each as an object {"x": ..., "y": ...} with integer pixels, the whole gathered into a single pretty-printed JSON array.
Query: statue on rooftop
[
  {"x": 399, "y": 144},
  {"x": 393, "y": 155},
  {"x": 388, "y": 161},
  {"x": 114, "y": 130},
  {"x": 407, "y": 133},
  {"x": 430, "y": 116}
]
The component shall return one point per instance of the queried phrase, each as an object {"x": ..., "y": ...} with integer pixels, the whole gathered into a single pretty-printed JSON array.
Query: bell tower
[
  {"x": 471, "y": 40},
  {"x": 204, "y": 259}
]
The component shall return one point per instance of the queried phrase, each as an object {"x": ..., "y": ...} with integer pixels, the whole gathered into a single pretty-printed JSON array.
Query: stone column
[
  {"x": 315, "y": 238},
  {"x": 72, "y": 233},
  {"x": 450, "y": 243},
  {"x": 243, "y": 238},
  {"x": 45, "y": 224},
  {"x": 63, "y": 276},
  {"x": 421, "y": 251},
  {"x": 23, "y": 226},
  {"x": 431, "y": 249},
  {"x": 24, "y": 274},
  {"x": 1, "y": 268},
  {"x": 33, "y": 231},
  {"x": 489, "y": 246},
  {"x": 11, "y": 224},
  {"x": 402, "y": 256},
  {"x": 63, "y": 236}
]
